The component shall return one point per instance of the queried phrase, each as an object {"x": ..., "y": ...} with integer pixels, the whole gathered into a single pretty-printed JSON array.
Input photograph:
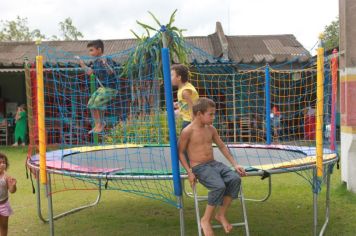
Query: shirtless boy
[{"x": 223, "y": 183}]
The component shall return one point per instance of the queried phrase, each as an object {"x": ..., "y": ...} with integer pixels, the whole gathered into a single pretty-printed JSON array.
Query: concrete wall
[{"x": 347, "y": 9}]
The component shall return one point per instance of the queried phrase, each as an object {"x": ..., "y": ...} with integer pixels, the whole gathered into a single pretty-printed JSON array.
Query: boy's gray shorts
[{"x": 219, "y": 179}]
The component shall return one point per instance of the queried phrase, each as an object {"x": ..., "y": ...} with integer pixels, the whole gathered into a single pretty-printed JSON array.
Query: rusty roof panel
[{"x": 248, "y": 49}]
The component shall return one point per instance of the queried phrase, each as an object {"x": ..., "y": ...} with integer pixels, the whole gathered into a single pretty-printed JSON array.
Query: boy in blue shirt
[{"x": 103, "y": 70}]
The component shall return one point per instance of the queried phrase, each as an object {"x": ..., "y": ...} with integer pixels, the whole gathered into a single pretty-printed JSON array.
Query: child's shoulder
[
  {"x": 210, "y": 127},
  {"x": 187, "y": 129}
]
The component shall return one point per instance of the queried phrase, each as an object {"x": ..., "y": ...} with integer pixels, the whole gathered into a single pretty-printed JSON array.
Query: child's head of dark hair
[
  {"x": 96, "y": 44},
  {"x": 202, "y": 105},
  {"x": 23, "y": 106},
  {"x": 3, "y": 158},
  {"x": 182, "y": 71}
]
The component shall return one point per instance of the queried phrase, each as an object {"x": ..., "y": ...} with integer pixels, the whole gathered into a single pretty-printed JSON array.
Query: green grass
[{"x": 288, "y": 211}]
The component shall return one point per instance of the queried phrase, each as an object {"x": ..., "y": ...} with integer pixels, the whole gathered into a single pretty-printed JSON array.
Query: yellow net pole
[
  {"x": 41, "y": 119},
  {"x": 320, "y": 110}
]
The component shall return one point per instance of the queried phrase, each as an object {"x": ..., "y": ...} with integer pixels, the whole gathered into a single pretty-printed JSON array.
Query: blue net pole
[
  {"x": 268, "y": 105},
  {"x": 171, "y": 121}
]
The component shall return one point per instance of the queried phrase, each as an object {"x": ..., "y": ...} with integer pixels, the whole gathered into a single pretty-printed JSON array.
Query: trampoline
[
  {"x": 154, "y": 162},
  {"x": 59, "y": 115}
]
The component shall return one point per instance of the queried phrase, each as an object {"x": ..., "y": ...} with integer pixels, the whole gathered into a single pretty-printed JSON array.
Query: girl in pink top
[{"x": 7, "y": 184}]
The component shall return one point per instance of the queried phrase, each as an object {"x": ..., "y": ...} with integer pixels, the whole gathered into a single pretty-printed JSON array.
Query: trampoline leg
[
  {"x": 50, "y": 206},
  {"x": 315, "y": 207},
  {"x": 38, "y": 198},
  {"x": 315, "y": 204},
  {"x": 39, "y": 205},
  {"x": 181, "y": 215},
  {"x": 242, "y": 200},
  {"x": 196, "y": 203},
  {"x": 267, "y": 195},
  {"x": 327, "y": 204}
]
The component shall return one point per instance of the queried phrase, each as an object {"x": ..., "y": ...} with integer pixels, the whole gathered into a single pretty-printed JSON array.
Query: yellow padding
[
  {"x": 106, "y": 147},
  {"x": 295, "y": 163}
]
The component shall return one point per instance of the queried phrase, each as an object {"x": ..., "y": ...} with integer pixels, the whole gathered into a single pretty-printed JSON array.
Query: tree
[
  {"x": 331, "y": 35},
  {"x": 17, "y": 30},
  {"x": 69, "y": 31}
]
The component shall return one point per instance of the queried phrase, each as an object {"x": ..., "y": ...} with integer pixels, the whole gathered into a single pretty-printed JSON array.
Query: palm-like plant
[
  {"x": 144, "y": 68},
  {"x": 148, "y": 49}
]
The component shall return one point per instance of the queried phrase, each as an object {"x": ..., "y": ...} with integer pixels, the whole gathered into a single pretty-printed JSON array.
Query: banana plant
[
  {"x": 143, "y": 68},
  {"x": 148, "y": 49}
]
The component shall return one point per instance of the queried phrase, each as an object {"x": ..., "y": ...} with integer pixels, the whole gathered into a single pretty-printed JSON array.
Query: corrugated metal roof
[
  {"x": 266, "y": 48},
  {"x": 11, "y": 70},
  {"x": 249, "y": 49}
]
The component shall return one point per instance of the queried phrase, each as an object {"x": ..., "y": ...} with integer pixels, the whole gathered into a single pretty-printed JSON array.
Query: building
[{"x": 250, "y": 49}]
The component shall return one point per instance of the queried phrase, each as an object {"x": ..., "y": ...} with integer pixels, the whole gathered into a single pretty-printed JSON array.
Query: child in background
[
  {"x": 7, "y": 184},
  {"x": 276, "y": 123},
  {"x": 186, "y": 94},
  {"x": 103, "y": 70},
  {"x": 21, "y": 125}
]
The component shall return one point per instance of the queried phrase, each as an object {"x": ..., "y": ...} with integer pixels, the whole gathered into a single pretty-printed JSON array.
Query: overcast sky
[{"x": 113, "y": 19}]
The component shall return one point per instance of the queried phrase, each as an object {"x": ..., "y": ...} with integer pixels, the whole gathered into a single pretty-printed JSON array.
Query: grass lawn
[{"x": 289, "y": 211}]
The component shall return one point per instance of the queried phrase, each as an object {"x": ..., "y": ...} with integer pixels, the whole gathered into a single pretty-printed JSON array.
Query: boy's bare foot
[
  {"x": 100, "y": 127},
  {"x": 225, "y": 223},
  {"x": 97, "y": 128},
  {"x": 207, "y": 229}
]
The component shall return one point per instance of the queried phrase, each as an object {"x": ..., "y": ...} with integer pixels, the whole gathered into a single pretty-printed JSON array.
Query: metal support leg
[
  {"x": 267, "y": 195},
  {"x": 181, "y": 215},
  {"x": 196, "y": 203},
  {"x": 315, "y": 204},
  {"x": 242, "y": 199},
  {"x": 39, "y": 205},
  {"x": 315, "y": 207},
  {"x": 50, "y": 206},
  {"x": 327, "y": 204}
]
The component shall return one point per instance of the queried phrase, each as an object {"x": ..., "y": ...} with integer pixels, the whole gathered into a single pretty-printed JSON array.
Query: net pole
[
  {"x": 170, "y": 113},
  {"x": 268, "y": 104},
  {"x": 320, "y": 109},
  {"x": 41, "y": 118},
  {"x": 334, "y": 69}
]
